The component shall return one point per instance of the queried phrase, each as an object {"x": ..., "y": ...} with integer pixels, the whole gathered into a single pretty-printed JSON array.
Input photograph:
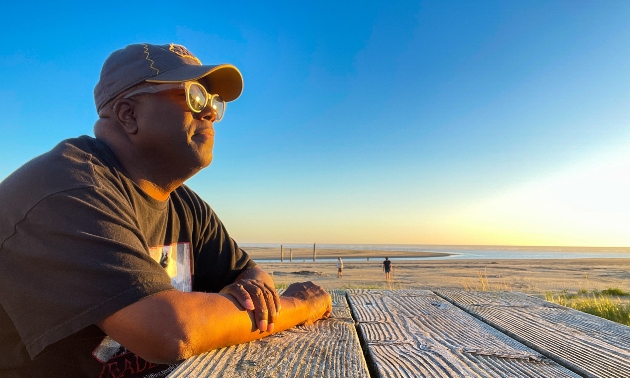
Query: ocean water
[{"x": 460, "y": 252}]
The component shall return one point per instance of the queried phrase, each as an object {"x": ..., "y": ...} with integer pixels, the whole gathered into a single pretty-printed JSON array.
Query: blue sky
[{"x": 488, "y": 122}]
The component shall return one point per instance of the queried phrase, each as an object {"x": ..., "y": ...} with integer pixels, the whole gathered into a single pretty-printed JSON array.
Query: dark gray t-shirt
[{"x": 80, "y": 241}]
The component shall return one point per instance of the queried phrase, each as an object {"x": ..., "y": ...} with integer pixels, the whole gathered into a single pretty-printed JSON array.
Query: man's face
[{"x": 172, "y": 135}]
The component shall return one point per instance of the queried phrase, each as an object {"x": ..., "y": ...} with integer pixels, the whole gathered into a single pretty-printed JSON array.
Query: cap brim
[{"x": 224, "y": 79}]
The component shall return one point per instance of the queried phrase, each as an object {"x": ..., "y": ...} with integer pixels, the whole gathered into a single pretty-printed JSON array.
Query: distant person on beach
[
  {"x": 339, "y": 267},
  {"x": 387, "y": 267},
  {"x": 111, "y": 266}
]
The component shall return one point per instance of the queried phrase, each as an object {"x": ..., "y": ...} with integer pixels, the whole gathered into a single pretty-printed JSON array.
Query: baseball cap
[{"x": 171, "y": 63}]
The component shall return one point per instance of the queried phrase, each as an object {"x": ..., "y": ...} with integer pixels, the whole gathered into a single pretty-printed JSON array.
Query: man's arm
[{"x": 172, "y": 325}]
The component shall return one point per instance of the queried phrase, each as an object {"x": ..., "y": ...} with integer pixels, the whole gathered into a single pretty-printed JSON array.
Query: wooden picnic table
[{"x": 421, "y": 333}]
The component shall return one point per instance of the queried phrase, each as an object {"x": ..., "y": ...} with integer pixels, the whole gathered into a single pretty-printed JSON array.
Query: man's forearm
[
  {"x": 231, "y": 324},
  {"x": 170, "y": 326}
]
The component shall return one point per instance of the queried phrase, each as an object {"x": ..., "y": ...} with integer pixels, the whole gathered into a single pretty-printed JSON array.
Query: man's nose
[{"x": 208, "y": 114}]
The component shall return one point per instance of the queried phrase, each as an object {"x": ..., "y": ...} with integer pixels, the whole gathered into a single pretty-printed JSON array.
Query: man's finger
[
  {"x": 261, "y": 313},
  {"x": 264, "y": 296},
  {"x": 242, "y": 296},
  {"x": 271, "y": 306}
]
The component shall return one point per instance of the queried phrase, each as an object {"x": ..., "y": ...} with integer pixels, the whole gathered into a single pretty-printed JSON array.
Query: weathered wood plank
[
  {"x": 329, "y": 348},
  {"x": 414, "y": 333},
  {"x": 593, "y": 346}
]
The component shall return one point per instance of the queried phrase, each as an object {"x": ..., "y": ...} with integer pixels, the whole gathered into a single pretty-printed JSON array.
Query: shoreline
[
  {"x": 265, "y": 253},
  {"x": 305, "y": 254}
]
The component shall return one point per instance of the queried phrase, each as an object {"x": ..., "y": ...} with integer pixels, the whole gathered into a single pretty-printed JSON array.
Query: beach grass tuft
[
  {"x": 613, "y": 291},
  {"x": 597, "y": 304},
  {"x": 485, "y": 285}
]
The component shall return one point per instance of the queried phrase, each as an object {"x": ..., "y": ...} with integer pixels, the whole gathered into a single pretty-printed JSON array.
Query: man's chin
[{"x": 206, "y": 161}]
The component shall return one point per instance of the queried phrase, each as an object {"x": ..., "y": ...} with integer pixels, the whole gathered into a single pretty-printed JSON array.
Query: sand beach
[{"x": 363, "y": 269}]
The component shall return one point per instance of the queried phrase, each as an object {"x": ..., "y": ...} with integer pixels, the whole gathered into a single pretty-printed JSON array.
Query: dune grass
[
  {"x": 614, "y": 291},
  {"x": 606, "y": 304},
  {"x": 485, "y": 285}
]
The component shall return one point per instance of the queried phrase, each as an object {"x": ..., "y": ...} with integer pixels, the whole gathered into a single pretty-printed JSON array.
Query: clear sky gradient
[{"x": 412, "y": 122}]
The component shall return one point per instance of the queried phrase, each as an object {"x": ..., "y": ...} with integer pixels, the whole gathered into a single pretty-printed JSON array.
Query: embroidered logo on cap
[
  {"x": 146, "y": 51},
  {"x": 183, "y": 52}
]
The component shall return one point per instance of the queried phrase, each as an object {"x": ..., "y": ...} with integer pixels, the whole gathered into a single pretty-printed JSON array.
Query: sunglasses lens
[
  {"x": 197, "y": 97},
  {"x": 219, "y": 106}
]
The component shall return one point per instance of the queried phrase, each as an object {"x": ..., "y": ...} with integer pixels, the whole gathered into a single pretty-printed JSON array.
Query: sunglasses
[{"x": 197, "y": 97}]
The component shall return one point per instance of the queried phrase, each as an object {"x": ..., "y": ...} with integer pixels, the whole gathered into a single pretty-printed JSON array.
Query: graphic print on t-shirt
[{"x": 176, "y": 260}]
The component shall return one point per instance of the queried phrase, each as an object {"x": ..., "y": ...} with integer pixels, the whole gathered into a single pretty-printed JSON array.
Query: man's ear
[{"x": 125, "y": 114}]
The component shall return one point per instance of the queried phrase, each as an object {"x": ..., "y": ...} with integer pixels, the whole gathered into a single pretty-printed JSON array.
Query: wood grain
[
  {"x": 329, "y": 348},
  {"x": 414, "y": 333},
  {"x": 593, "y": 346}
]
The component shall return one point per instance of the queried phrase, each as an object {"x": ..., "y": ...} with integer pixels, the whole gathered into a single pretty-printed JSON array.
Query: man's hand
[
  {"x": 314, "y": 297},
  {"x": 254, "y": 290}
]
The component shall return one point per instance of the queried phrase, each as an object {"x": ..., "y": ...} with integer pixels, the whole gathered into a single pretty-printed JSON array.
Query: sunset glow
[{"x": 495, "y": 123}]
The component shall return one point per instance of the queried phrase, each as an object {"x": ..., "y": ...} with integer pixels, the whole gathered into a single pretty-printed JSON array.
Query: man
[
  {"x": 387, "y": 266},
  {"x": 111, "y": 266},
  {"x": 339, "y": 267}
]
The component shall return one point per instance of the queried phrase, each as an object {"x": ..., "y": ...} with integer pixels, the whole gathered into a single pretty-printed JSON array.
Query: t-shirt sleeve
[
  {"x": 218, "y": 259},
  {"x": 76, "y": 257}
]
